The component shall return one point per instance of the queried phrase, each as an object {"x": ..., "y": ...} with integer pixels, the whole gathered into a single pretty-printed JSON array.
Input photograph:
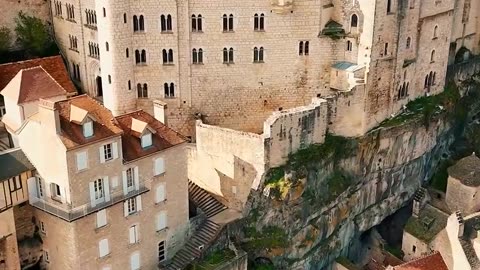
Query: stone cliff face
[{"x": 311, "y": 209}]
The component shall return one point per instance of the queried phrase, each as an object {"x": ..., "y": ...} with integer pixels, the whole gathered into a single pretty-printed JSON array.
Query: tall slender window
[
  {"x": 126, "y": 53},
  {"x": 409, "y": 42},
  {"x": 169, "y": 90},
  {"x": 135, "y": 23},
  {"x": 389, "y": 6},
  {"x": 354, "y": 21},
  {"x": 169, "y": 22},
  {"x": 143, "y": 56},
  {"x": 225, "y": 23},
  {"x": 300, "y": 48},
  {"x": 432, "y": 56},
  {"x": 170, "y": 56},
  {"x": 141, "y": 23},
  {"x": 435, "y": 32},
  {"x": 307, "y": 47},
  {"x": 258, "y": 55},
  {"x": 167, "y": 56},
  {"x": 230, "y": 22},
  {"x": 199, "y": 23},
  {"x": 259, "y": 22},
  {"x": 163, "y": 23},
  {"x": 194, "y": 23}
]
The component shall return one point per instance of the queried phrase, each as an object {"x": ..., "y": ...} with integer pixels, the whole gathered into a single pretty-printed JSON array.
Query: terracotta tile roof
[
  {"x": 53, "y": 65},
  {"x": 36, "y": 83},
  {"x": 431, "y": 262},
  {"x": 72, "y": 134},
  {"x": 163, "y": 138}
]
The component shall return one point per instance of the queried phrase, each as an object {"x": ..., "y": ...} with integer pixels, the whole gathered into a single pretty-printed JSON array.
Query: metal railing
[{"x": 69, "y": 213}]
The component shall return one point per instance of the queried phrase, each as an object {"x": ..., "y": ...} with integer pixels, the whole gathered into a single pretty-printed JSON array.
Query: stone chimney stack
[
  {"x": 160, "y": 111},
  {"x": 461, "y": 223},
  {"x": 418, "y": 201},
  {"x": 49, "y": 115}
]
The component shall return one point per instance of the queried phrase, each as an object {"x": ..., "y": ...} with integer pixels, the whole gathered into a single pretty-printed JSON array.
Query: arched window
[
  {"x": 194, "y": 23},
  {"x": 139, "y": 90},
  {"x": 164, "y": 56},
  {"x": 141, "y": 23},
  {"x": 124, "y": 17},
  {"x": 169, "y": 22},
  {"x": 169, "y": 90},
  {"x": 166, "y": 90},
  {"x": 172, "y": 90},
  {"x": 256, "y": 22},
  {"x": 385, "y": 50},
  {"x": 255, "y": 55},
  {"x": 435, "y": 32},
  {"x": 425, "y": 85},
  {"x": 170, "y": 56},
  {"x": 349, "y": 46},
  {"x": 230, "y": 22},
  {"x": 230, "y": 56},
  {"x": 109, "y": 79},
  {"x": 225, "y": 23},
  {"x": 225, "y": 55},
  {"x": 389, "y": 6},
  {"x": 433, "y": 79},
  {"x": 137, "y": 56},
  {"x": 199, "y": 23},
  {"x": 354, "y": 20},
  {"x": 104, "y": 12},
  {"x": 262, "y": 22},
  {"x": 405, "y": 75},
  {"x": 106, "y": 46},
  {"x": 432, "y": 56},
  {"x": 163, "y": 23},
  {"x": 307, "y": 47},
  {"x": 144, "y": 56},
  {"x": 129, "y": 85},
  {"x": 135, "y": 23},
  {"x": 200, "y": 56},
  {"x": 194, "y": 56},
  {"x": 145, "y": 90},
  {"x": 126, "y": 52},
  {"x": 406, "y": 91},
  {"x": 300, "y": 48},
  {"x": 260, "y": 55},
  {"x": 409, "y": 42}
]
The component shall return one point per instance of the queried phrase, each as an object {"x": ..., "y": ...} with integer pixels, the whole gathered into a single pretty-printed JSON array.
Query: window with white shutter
[
  {"x": 103, "y": 249},
  {"x": 146, "y": 140},
  {"x": 160, "y": 193},
  {"x": 159, "y": 166},
  {"x": 135, "y": 261},
  {"x": 101, "y": 218},
  {"x": 162, "y": 220},
  {"x": 88, "y": 128},
  {"x": 133, "y": 234},
  {"x": 81, "y": 161}
]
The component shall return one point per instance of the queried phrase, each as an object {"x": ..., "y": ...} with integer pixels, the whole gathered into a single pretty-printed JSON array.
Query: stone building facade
[
  {"x": 114, "y": 192},
  {"x": 233, "y": 63}
]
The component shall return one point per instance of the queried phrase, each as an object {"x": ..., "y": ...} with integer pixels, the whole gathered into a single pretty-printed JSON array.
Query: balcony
[{"x": 68, "y": 213}]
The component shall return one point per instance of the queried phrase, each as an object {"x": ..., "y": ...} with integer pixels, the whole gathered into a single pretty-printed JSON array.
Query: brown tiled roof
[
  {"x": 162, "y": 139},
  {"x": 72, "y": 134},
  {"x": 431, "y": 262},
  {"x": 36, "y": 83},
  {"x": 53, "y": 65},
  {"x": 467, "y": 170}
]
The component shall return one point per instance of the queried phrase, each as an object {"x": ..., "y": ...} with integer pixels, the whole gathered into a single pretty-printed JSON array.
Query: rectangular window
[
  {"x": 162, "y": 221},
  {"x": 16, "y": 183},
  {"x": 160, "y": 193},
  {"x": 135, "y": 261},
  {"x": 81, "y": 161},
  {"x": 133, "y": 234},
  {"x": 159, "y": 166},
  {"x": 131, "y": 206},
  {"x": 99, "y": 189},
  {"x": 130, "y": 180},
  {"x": 39, "y": 187},
  {"x": 161, "y": 251},
  {"x": 103, "y": 248},
  {"x": 107, "y": 152},
  {"x": 146, "y": 140},
  {"x": 101, "y": 218},
  {"x": 87, "y": 129}
]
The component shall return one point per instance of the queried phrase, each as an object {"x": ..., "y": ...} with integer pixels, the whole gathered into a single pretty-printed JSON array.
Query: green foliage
[
  {"x": 439, "y": 179},
  {"x": 334, "y": 148},
  {"x": 424, "y": 108},
  {"x": 32, "y": 34},
  {"x": 5, "y": 39},
  {"x": 395, "y": 251},
  {"x": 337, "y": 183},
  {"x": 264, "y": 267},
  {"x": 269, "y": 237},
  {"x": 275, "y": 175},
  {"x": 214, "y": 259}
]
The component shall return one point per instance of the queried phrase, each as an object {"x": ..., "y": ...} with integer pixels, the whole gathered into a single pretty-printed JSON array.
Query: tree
[
  {"x": 5, "y": 39},
  {"x": 32, "y": 34}
]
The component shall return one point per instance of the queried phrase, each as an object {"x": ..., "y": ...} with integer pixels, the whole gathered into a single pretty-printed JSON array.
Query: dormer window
[
  {"x": 88, "y": 128},
  {"x": 146, "y": 140}
]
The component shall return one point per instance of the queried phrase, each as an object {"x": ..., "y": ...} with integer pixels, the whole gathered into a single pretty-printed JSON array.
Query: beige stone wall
[
  {"x": 8, "y": 242},
  {"x": 460, "y": 260},
  {"x": 460, "y": 197},
  {"x": 37, "y": 8},
  {"x": 413, "y": 247}
]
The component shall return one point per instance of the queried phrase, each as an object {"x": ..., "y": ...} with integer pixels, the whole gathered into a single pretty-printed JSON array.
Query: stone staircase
[
  {"x": 203, "y": 237},
  {"x": 204, "y": 200},
  {"x": 206, "y": 233}
]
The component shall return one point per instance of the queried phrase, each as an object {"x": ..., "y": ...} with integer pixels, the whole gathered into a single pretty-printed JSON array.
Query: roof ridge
[
  {"x": 49, "y": 75},
  {"x": 29, "y": 60},
  {"x": 421, "y": 258}
]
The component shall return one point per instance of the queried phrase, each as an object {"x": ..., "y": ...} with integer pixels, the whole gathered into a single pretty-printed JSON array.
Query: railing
[{"x": 68, "y": 213}]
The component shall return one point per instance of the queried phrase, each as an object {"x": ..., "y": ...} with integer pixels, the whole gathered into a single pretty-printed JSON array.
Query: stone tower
[{"x": 115, "y": 40}]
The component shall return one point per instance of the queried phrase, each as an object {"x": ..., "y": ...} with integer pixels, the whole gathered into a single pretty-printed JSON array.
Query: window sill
[
  {"x": 94, "y": 57},
  {"x": 259, "y": 30},
  {"x": 258, "y": 62},
  {"x": 160, "y": 174},
  {"x": 168, "y": 64},
  {"x": 431, "y": 62},
  {"x": 197, "y": 31},
  {"x": 141, "y": 64},
  {"x": 98, "y": 229},
  {"x": 136, "y": 213},
  {"x": 162, "y": 202},
  {"x": 74, "y": 50},
  {"x": 59, "y": 17},
  {"x": 162, "y": 230},
  {"x": 228, "y": 63},
  {"x": 142, "y": 97},
  {"x": 92, "y": 27},
  {"x": 199, "y": 64},
  {"x": 228, "y": 31},
  {"x": 105, "y": 257},
  {"x": 139, "y": 32},
  {"x": 71, "y": 20},
  {"x": 130, "y": 245},
  {"x": 390, "y": 13},
  {"x": 434, "y": 38},
  {"x": 57, "y": 199},
  {"x": 168, "y": 32},
  {"x": 169, "y": 97}
]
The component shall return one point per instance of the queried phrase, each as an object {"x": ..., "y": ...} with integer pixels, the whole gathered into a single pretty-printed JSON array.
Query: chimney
[
  {"x": 160, "y": 111},
  {"x": 49, "y": 115},
  {"x": 461, "y": 224},
  {"x": 418, "y": 201}
]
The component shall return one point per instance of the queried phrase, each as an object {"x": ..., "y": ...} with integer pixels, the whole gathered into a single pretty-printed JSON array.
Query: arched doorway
[{"x": 98, "y": 82}]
